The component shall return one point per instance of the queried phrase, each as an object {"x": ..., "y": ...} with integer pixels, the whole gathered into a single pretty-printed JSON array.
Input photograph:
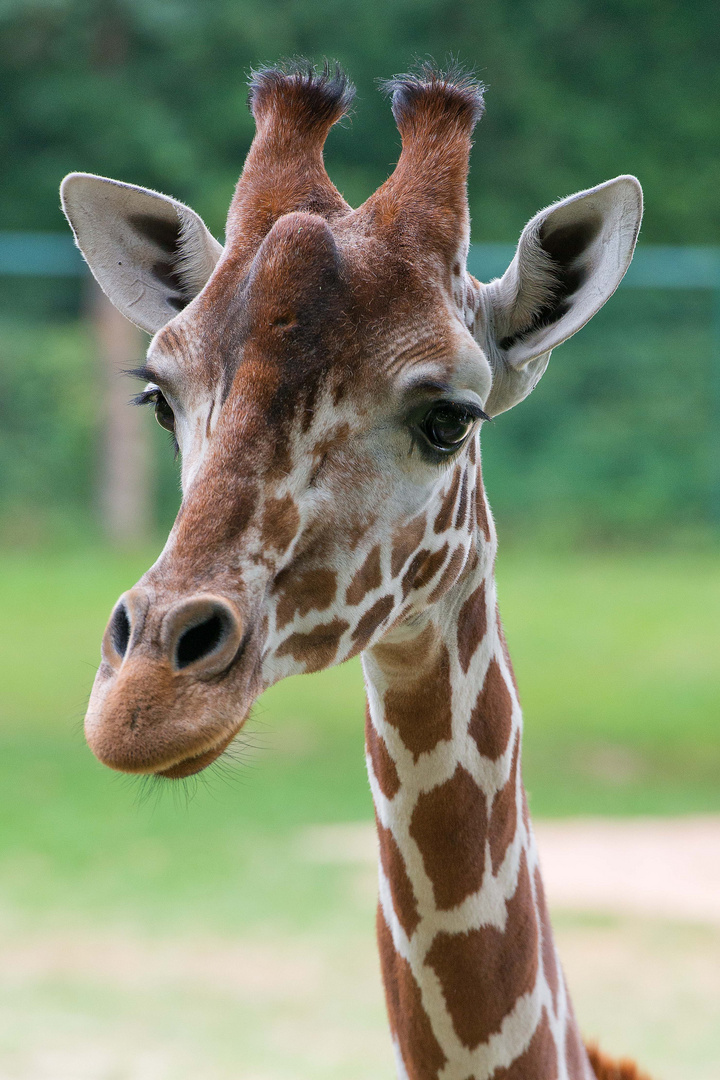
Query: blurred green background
[{"x": 126, "y": 912}]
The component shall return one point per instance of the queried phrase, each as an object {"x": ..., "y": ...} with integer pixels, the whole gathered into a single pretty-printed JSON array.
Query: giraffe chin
[{"x": 191, "y": 765}]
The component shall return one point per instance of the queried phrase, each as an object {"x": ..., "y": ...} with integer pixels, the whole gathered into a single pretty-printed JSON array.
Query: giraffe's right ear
[
  {"x": 149, "y": 253},
  {"x": 570, "y": 260}
]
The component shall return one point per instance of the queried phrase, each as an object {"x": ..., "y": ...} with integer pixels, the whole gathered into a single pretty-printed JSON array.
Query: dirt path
[
  {"x": 637, "y": 920},
  {"x": 665, "y": 867},
  {"x": 645, "y": 866}
]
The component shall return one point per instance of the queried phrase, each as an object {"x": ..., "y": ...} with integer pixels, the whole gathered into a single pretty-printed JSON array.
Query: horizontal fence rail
[
  {"x": 47, "y": 254},
  {"x": 53, "y": 254}
]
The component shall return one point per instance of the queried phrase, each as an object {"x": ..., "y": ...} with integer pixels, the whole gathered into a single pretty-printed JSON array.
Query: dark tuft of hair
[
  {"x": 322, "y": 97},
  {"x": 455, "y": 90}
]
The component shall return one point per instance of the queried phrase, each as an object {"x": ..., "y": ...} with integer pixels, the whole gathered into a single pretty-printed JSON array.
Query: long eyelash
[
  {"x": 475, "y": 411},
  {"x": 146, "y": 397},
  {"x": 140, "y": 373},
  {"x": 149, "y": 396}
]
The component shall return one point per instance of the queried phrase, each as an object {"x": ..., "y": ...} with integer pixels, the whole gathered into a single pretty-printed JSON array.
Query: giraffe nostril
[
  {"x": 200, "y": 640},
  {"x": 120, "y": 630}
]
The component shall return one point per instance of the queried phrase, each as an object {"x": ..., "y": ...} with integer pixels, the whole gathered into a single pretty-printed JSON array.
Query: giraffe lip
[{"x": 189, "y": 766}]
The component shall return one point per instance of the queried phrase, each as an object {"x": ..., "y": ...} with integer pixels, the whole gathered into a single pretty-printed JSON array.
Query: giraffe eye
[
  {"x": 446, "y": 426},
  {"x": 163, "y": 413},
  {"x": 153, "y": 395}
]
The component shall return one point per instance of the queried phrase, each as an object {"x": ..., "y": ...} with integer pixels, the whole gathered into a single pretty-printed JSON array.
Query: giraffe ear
[
  {"x": 151, "y": 254},
  {"x": 570, "y": 259}
]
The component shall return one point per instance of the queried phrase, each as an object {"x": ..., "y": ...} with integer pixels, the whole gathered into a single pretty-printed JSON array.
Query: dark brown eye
[
  {"x": 446, "y": 426},
  {"x": 163, "y": 413}
]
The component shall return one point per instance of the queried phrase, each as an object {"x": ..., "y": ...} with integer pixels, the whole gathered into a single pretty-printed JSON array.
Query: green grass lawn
[
  {"x": 107, "y": 885},
  {"x": 616, "y": 658}
]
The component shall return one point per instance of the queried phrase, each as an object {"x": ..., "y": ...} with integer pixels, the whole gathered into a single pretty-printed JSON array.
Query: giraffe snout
[
  {"x": 165, "y": 699},
  {"x": 199, "y": 636}
]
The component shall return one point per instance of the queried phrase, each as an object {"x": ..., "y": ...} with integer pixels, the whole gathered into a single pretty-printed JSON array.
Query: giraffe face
[
  {"x": 328, "y": 431},
  {"x": 325, "y": 375}
]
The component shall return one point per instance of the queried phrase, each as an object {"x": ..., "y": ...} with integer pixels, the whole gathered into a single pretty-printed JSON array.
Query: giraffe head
[{"x": 325, "y": 376}]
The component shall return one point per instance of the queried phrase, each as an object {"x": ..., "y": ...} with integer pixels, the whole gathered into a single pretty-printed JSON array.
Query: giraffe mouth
[{"x": 189, "y": 766}]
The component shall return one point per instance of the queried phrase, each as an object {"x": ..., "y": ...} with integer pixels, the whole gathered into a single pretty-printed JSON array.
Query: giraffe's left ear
[
  {"x": 570, "y": 260},
  {"x": 149, "y": 253}
]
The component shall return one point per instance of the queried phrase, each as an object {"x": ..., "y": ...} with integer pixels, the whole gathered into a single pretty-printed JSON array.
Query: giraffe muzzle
[
  {"x": 200, "y": 635},
  {"x": 160, "y": 703}
]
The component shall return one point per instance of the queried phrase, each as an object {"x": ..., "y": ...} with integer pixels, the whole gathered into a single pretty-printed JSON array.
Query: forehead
[{"x": 314, "y": 302}]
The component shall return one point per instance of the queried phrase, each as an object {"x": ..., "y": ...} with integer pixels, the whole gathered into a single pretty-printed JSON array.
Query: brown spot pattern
[
  {"x": 423, "y": 569},
  {"x": 313, "y": 590},
  {"x": 367, "y": 578},
  {"x": 318, "y": 647},
  {"x": 504, "y": 646},
  {"x": 403, "y": 897},
  {"x": 331, "y": 441},
  {"x": 405, "y": 542},
  {"x": 483, "y": 521},
  {"x": 383, "y": 765},
  {"x": 462, "y": 503},
  {"x": 421, "y": 709},
  {"x": 370, "y": 621},
  {"x": 357, "y": 529},
  {"x": 483, "y": 972},
  {"x": 503, "y": 820},
  {"x": 491, "y": 720},
  {"x": 445, "y": 513},
  {"x": 472, "y": 626},
  {"x": 449, "y": 825},
  {"x": 449, "y": 575},
  {"x": 410, "y": 1024},
  {"x": 280, "y": 523},
  {"x": 538, "y": 1062},
  {"x": 549, "y": 959}
]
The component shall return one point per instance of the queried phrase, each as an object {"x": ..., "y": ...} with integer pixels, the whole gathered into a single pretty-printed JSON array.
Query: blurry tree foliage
[
  {"x": 153, "y": 91},
  {"x": 615, "y": 443}
]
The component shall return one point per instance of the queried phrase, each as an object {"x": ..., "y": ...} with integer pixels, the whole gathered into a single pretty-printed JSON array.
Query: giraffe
[{"x": 325, "y": 376}]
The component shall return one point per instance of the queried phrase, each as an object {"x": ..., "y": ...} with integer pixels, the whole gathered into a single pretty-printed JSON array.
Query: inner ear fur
[
  {"x": 570, "y": 259},
  {"x": 149, "y": 253}
]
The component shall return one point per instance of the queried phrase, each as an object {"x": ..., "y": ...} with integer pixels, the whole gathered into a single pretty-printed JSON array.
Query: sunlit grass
[
  {"x": 127, "y": 907},
  {"x": 617, "y": 670}
]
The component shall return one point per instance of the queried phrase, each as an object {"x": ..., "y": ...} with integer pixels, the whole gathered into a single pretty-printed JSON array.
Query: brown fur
[
  {"x": 316, "y": 649},
  {"x": 537, "y": 1062},
  {"x": 472, "y": 625},
  {"x": 443, "y": 520},
  {"x": 503, "y": 819},
  {"x": 491, "y": 720},
  {"x": 422, "y": 710},
  {"x": 367, "y": 578},
  {"x": 607, "y": 1069},
  {"x": 393, "y": 864},
  {"x": 483, "y": 972},
  {"x": 299, "y": 365},
  {"x": 423, "y": 568},
  {"x": 371, "y": 620},
  {"x": 409, "y": 1022},
  {"x": 405, "y": 543},
  {"x": 447, "y": 824},
  {"x": 383, "y": 765},
  {"x": 312, "y": 591},
  {"x": 549, "y": 959},
  {"x": 449, "y": 575}
]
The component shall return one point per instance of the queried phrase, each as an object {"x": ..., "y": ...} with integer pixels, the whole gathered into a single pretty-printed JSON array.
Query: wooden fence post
[{"x": 126, "y": 474}]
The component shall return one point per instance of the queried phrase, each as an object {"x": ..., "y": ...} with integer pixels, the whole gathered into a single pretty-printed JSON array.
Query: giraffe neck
[{"x": 473, "y": 985}]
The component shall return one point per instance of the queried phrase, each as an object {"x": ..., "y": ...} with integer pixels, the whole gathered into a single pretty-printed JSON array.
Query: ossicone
[
  {"x": 310, "y": 99},
  {"x": 454, "y": 96}
]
